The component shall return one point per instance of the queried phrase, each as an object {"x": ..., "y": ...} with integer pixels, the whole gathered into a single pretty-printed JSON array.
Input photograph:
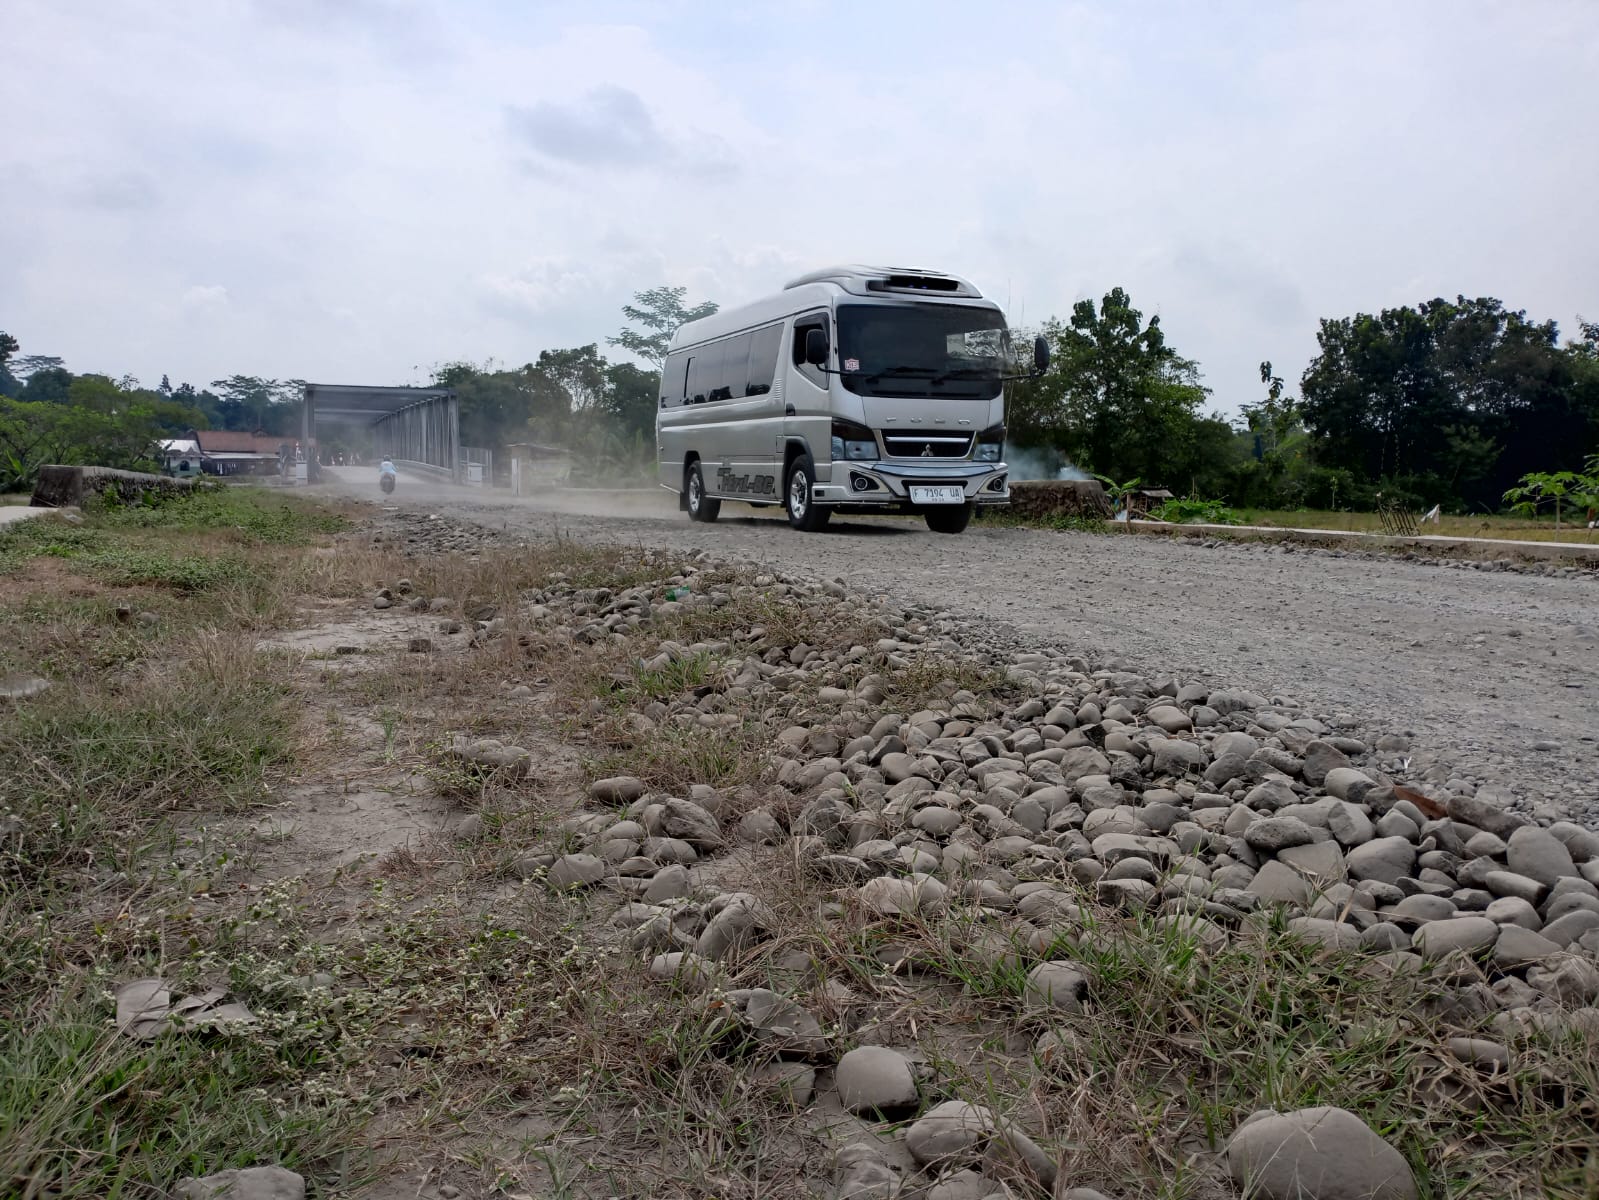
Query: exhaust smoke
[{"x": 1032, "y": 464}]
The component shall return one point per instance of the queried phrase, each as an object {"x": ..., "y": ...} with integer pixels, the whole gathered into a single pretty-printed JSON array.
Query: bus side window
[
  {"x": 674, "y": 381},
  {"x": 797, "y": 348},
  {"x": 735, "y": 367},
  {"x": 764, "y": 344},
  {"x": 705, "y": 372}
]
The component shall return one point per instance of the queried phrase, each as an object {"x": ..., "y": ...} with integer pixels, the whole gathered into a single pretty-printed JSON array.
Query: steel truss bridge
[{"x": 419, "y": 428}]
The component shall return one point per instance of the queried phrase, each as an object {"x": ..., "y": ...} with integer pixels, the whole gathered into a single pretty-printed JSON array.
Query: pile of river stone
[
  {"x": 1091, "y": 795},
  {"x": 1100, "y": 794}
]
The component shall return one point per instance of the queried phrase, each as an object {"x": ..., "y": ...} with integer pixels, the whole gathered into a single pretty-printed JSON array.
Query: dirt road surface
[{"x": 1494, "y": 674}]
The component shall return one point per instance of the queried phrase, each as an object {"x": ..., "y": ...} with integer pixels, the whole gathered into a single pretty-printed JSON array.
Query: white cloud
[
  {"x": 204, "y": 296},
  {"x": 388, "y": 183}
]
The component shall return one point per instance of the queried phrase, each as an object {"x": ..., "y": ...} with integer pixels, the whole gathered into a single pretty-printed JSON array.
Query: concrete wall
[{"x": 59, "y": 487}]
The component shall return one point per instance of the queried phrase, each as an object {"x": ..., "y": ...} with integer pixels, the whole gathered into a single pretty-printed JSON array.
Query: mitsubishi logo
[{"x": 927, "y": 451}]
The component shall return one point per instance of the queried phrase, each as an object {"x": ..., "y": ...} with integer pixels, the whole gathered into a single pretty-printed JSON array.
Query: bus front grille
[{"x": 910, "y": 444}]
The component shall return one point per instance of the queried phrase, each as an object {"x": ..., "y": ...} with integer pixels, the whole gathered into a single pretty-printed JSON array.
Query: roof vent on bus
[
  {"x": 865, "y": 280},
  {"x": 916, "y": 283}
]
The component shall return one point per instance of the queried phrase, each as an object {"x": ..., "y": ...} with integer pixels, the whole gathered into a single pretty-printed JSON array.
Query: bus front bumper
[{"x": 889, "y": 484}]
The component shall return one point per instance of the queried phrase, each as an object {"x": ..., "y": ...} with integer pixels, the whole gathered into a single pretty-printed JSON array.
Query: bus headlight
[
  {"x": 853, "y": 443},
  {"x": 990, "y": 444}
]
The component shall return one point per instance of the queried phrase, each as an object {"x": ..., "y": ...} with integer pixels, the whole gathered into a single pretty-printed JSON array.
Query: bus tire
[
  {"x": 952, "y": 518},
  {"x": 700, "y": 506},
  {"x": 804, "y": 513}
]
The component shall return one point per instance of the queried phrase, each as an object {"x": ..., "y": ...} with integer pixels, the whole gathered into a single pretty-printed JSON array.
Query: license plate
[{"x": 938, "y": 495}]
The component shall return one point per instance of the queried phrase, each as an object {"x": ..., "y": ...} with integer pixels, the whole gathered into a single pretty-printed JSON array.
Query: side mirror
[
  {"x": 1040, "y": 355},
  {"x": 816, "y": 347}
]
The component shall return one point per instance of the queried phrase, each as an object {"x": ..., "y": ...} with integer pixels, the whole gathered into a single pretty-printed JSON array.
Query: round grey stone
[
  {"x": 1538, "y": 854},
  {"x": 948, "y": 1131},
  {"x": 1316, "y": 1154},
  {"x": 875, "y": 1079},
  {"x": 576, "y": 870},
  {"x": 1469, "y": 935},
  {"x": 1055, "y": 985}
]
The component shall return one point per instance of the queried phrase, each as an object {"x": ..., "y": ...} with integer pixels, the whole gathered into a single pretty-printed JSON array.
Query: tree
[
  {"x": 1447, "y": 401},
  {"x": 30, "y": 364},
  {"x": 561, "y": 383},
  {"x": 1119, "y": 401},
  {"x": 10, "y": 385},
  {"x": 1557, "y": 486},
  {"x": 97, "y": 393},
  {"x": 250, "y": 403},
  {"x": 630, "y": 399},
  {"x": 660, "y": 311},
  {"x": 104, "y": 425},
  {"x": 1278, "y": 463},
  {"x": 50, "y": 385}
]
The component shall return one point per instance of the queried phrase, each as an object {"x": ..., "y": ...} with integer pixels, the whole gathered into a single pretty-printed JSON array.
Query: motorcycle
[{"x": 386, "y": 482}]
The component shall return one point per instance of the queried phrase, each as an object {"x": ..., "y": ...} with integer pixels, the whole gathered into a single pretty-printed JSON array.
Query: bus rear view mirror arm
[{"x": 1040, "y": 361}]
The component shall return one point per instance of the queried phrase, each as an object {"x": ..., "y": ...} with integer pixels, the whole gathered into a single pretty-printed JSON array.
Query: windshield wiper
[
  {"x": 964, "y": 373},
  {"x": 876, "y": 375}
]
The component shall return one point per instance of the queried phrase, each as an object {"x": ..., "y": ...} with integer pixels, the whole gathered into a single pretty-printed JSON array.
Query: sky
[{"x": 355, "y": 191}]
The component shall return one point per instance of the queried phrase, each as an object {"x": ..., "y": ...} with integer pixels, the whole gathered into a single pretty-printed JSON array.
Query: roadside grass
[
  {"x": 89, "y": 771},
  {"x": 431, "y": 1012},
  {"x": 1004, "y": 518},
  {"x": 145, "y": 722},
  {"x": 1492, "y": 528},
  {"x": 1478, "y": 526},
  {"x": 214, "y": 557},
  {"x": 936, "y": 681},
  {"x": 86, "y": 1113}
]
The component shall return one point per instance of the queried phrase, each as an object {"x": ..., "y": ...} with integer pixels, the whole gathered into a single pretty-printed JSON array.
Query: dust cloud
[
  {"x": 449, "y": 499},
  {"x": 1027, "y": 465}
]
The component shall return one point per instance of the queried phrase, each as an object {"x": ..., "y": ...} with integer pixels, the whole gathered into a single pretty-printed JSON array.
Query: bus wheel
[
  {"x": 949, "y": 518},
  {"x": 803, "y": 512},
  {"x": 700, "y": 506}
]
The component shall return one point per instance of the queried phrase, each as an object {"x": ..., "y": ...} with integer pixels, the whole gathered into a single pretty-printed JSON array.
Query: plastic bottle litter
[{"x": 677, "y": 593}]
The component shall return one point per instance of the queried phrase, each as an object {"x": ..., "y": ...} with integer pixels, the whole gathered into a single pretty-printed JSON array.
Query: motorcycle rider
[{"x": 387, "y": 475}]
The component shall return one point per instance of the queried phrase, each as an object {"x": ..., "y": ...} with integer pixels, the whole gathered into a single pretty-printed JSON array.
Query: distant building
[
  {"x": 224, "y": 452},
  {"x": 534, "y": 467},
  {"x": 180, "y": 457}
]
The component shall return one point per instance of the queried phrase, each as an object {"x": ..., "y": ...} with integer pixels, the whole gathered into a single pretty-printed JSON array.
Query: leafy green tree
[
  {"x": 560, "y": 384},
  {"x": 1447, "y": 401},
  {"x": 29, "y": 365},
  {"x": 98, "y": 393},
  {"x": 494, "y": 404},
  {"x": 251, "y": 403},
  {"x": 49, "y": 385},
  {"x": 1118, "y": 400},
  {"x": 658, "y": 312},
  {"x": 103, "y": 424},
  {"x": 630, "y": 399},
  {"x": 1548, "y": 487},
  {"x": 10, "y": 385},
  {"x": 1277, "y": 463}
]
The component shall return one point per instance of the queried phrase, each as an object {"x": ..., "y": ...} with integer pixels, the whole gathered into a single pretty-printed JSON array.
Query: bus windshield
[{"x": 921, "y": 350}]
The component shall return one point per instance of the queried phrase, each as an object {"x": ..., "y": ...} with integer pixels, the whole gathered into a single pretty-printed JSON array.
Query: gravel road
[{"x": 1495, "y": 675}]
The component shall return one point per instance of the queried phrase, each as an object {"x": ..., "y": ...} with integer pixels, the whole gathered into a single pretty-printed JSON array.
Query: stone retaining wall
[
  {"x": 1059, "y": 497},
  {"x": 60, "y": 487}
]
